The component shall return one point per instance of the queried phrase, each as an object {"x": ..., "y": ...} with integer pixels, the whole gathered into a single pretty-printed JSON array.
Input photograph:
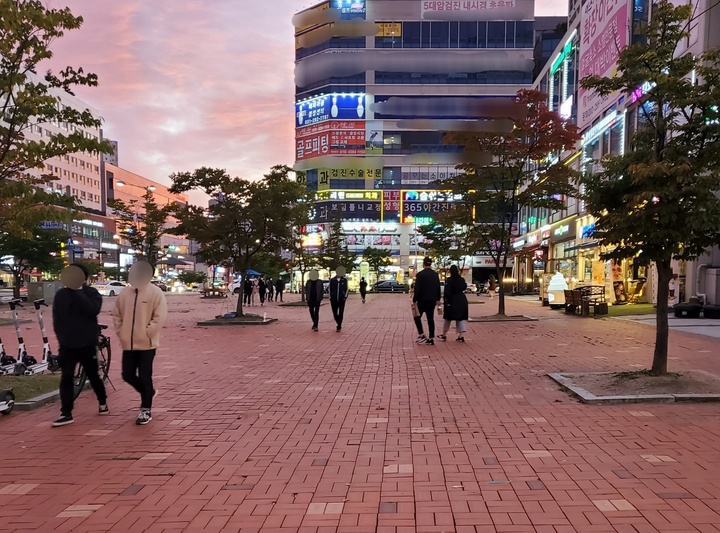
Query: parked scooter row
[{"x": 24, "y": 364}]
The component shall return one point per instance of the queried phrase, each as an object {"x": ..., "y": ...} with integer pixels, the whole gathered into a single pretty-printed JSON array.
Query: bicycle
[{"x": 103, "y": 357}]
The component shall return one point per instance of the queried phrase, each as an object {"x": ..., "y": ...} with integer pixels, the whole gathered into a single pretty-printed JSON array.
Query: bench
[
  {"x": 593, "y": 296},
  {"x": 573, "y": 301},
  {"x": 214, "y": 293}
]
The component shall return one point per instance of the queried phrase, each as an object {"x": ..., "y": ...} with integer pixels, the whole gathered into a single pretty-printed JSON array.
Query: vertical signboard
[{"x": 604, "y": 33}]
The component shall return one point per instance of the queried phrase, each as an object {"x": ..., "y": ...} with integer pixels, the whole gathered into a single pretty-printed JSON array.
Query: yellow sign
[
  {"x": 350, "y": 195},
  {"x": 390, "y": 29},
  {"x": 348, "y": 173},
  {"x": 321, "y": 7}
]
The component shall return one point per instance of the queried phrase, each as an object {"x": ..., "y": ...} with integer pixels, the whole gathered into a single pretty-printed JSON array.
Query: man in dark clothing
[
  {"x": 75, "y": 311},
  {"x": 247, "y": 291},
  {"x": 270, "y": 289},
  {"x": 263, "y": 290},
  {"x": 314, "y": 294},
  {"x": 363, "y": 289},
  {"x": 279, "y": 289},
  {"x": 338, "y": 295},
  {"x": 426, "y": 295}
]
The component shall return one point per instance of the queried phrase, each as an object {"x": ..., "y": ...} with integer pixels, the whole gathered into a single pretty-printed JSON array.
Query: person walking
[
  {"x": 255, "y": 292},
  {"x": 426, "y": 295},
  {"x": 279, "y": 289},
  {"x": 491, "y": 286},
  {"x": 247, "y": 291},
  {"x": 140, "y": 312},
  {"x": 270, "y": 290},
  {"x": 363, "y": 289},
  {"x": 314, "y": 293},
  {"x": 455, "y": 305},
  {"x": 75, "y": 311},
  {"x": 338, "y": 295},
  {"x": 262, "y": 291}
]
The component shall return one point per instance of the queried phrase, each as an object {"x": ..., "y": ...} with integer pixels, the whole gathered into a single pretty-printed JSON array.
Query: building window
[
  {"x": 509, "y": 35},
  {"x": 440, "y": 35},
  {"x": 411, "y": 35},
  {"x": 425, "y": 42},
  {"x": 496, "y": 35},
  {"x": 468, "y": 35},
  {"x": 524, "y": 32}
]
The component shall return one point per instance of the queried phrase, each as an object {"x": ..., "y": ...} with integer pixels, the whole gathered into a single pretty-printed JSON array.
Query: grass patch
[
  {"x": 631, "y": 310},
  {"x": 636, "y": 374},
  {"x": 27, "y": 387}
]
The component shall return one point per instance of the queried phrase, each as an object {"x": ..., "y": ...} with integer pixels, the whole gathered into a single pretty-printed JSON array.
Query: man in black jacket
[
  {"x": 338, "y": 295},
  {"x": 426, "y": 296},
  {"x": 75, "y": 311}
]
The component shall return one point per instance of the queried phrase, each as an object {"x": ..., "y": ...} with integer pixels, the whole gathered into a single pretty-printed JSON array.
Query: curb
[
  {"x": 238, "y": 323},
  {"x": 589, "y": 398},
  {"x": 492, "y": 318}
]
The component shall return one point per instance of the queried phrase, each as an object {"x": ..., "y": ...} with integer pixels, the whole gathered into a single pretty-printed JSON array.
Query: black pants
[
  {"x": 271, "y": 296},
  {"x": 246, "y": 298},
  {"x": 428, "y": 309},
  {"x": 68, "y": 358},
  {"x": 137, "y": 371},
  {"x": 279, "y": 294},
  {"x": 314, "y": 313},
  {"x": 338, "y": 309},
  {"x": 362, "y": 294}
]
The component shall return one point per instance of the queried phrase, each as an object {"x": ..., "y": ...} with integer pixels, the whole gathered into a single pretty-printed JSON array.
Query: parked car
[
  {"x": 388, "y": 286},
  {"x": 160, "y": 285},
  {"x": 110, "y": 288},
  {"x": 236, "y": 286}
]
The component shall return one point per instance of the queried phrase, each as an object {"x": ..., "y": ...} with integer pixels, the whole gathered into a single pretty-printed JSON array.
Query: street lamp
[{"x": 123, "y": 184}]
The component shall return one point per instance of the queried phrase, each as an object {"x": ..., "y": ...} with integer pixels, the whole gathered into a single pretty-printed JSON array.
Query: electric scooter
[
  {"x": 51, "y": 361},
  {"x": 24, "y": 361},
  {"x": 7, "y": 362}
]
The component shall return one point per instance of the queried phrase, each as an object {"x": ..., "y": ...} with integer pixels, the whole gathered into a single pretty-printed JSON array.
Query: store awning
[{"x": 582, "y": 246}]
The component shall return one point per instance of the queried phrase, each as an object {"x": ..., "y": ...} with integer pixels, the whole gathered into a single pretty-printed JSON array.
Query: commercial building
[
  {"x": 378, "y": 82},
  {"x": 563, "y": 241},
  {"x": 130, "y": 187}
]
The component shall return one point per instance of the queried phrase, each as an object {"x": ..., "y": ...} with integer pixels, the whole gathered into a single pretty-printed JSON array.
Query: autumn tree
[
  {"x": 142, "y": 223},
  {"x": 31, "y": 101},
  {"x": 527, "y": 170},
  {"x": 246, "y": 219},
  {"x": 658, "y": 201}
]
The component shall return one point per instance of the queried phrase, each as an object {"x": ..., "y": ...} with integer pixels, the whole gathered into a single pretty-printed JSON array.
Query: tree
[
  {"x": 528, "y": 170},
  {"x": 658, "y": 201},
  {"x": 142, "y": 223},
  {"x": 42, "y": 252},
  {"x": 29, "y": 101},
  {"x": 246, "y": 219},
  {"x": 447, "y": 245},
  {"x": 189, "y": 277},
  {"x": 377, "y": 259},
  {"x": 302, "y": 260},
  {"x": 335, "y": 252}
]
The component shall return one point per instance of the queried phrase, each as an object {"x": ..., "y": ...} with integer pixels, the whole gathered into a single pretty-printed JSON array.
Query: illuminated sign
[
  {"x": 559, "y": 232},
  {"x": 314, "y": 240},
  {"x": 587, "y": 231},
  {"x": 349, "y": 195},
  {"x": 567, "y": 49},
  {"x": 600, "y": 127},
  {"x": 533, "y": 238},
  {"x": 425, "y": 204},
  {"x": 519, "y": 244},
  {"x": 88, "y": 222},
  {"x": 642, "y": 91},
  {"x": 430, "y": 196},
  {"x": 330, "y": 107},
  {"x": 354, "y": 7},
  {"x": 566, "y": 108}
]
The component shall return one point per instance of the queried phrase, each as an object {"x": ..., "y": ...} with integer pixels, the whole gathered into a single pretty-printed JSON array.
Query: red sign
[{"x": 336, "y": 137}]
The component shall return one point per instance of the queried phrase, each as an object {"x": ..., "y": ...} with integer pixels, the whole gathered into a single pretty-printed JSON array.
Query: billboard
[
  {"x": 334, "y": 142},
  {"x": 425, "y": 205},
  {"x": 604, "y": 32},
  {"x": 348, "y": 210},
  {"x": 352, "y": 7},
  {"x": 330, "y": 107}
]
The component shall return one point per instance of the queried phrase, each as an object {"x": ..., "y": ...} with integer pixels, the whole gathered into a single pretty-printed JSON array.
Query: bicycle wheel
[
  {"x": 103, "y": 357},
  {"x": 79, "y": 379}
]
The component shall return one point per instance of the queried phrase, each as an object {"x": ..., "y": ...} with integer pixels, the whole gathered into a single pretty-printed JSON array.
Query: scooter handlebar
[
  {"x": 40, "y": 302},
  {"x": 15, "y": 301}
]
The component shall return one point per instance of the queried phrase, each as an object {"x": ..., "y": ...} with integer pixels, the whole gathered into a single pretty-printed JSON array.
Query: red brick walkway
[{"x": 278, "y": 428}]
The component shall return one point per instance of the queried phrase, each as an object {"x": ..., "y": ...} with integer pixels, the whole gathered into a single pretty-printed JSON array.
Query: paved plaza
[{"x": 279, "y": 429}]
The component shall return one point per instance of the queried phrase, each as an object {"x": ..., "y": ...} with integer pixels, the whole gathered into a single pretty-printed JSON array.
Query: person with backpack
[
  {"x": 338, "y": 295},
  {"x": 139, "y": 315},
  {"x": 75, "y": 320}
]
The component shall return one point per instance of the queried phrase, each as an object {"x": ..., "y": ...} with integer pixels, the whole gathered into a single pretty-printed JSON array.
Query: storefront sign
[
  {"x": 465, "y": 5},
  {"x": 587, "y": 231},
  {"x": 604, "y": 30},
  {"x": 599, "y": 128},
  {"x": 533, "y": 239},
  {"x": 519, "y": 243},
  {"x": 566, "y": 107},
  {"x": 330, "y": 107},
  {"x": 563, "y": 231}
]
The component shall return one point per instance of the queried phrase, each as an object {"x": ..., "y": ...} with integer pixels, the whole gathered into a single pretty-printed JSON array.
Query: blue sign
[
  {"x": 52, "y": 225},
  {"x": 354, "y": 7},
  {"x": 587, "y": 231},
  {"x": 330, "y": 107}
]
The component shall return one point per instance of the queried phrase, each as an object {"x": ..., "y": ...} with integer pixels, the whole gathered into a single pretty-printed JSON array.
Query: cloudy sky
[{"x": 193, "y": 83}]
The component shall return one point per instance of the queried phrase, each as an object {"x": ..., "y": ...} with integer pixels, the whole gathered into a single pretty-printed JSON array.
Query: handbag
[
  {"x": 440, "y": 309},
  {"x": 415, "y": 309}
]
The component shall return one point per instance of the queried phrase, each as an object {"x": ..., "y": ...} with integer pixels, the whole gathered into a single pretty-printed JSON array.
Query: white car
[{"x": 110, "y": 288}]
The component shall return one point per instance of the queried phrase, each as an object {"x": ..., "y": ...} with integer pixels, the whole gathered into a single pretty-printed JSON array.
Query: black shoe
[
  {"x": 421, "y": 339},
  {"x": 429, "y": 342},
  {"x": 64, "y": 420},
  {"x": 338, "y": 328},
  {"x": 460, "y": 339},
  {"x": 314, "y": 328},
  {"x": 143, "y": 418},
  {"x": 442, "y": 338},
  {"x": 103, "y": 409}
]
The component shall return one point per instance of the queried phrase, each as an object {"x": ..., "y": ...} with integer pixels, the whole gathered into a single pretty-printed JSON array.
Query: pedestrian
[
  {"x": 279, "y": 289},
  {"x": 363, "y": 289},
  {"x": 491, "y": 286},
  {"x": 426, "y": 295},
  {"x": 455, "y": 305},
  {"x": 247, "y": 291},
  {"x": 75, "y": 311},
  {"x": 262, "y": 291},
  {"x": 255, "y": 292},
  {"x": 314, "y": 293},
  {"x": 270, "y": 290},
  {"x": 140, "y": 312},
  {"x": 338, "y": 295}
]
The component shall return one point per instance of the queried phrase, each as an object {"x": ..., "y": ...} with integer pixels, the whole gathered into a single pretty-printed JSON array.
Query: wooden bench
[
  {"x": 573, "y": 301},
  {"x": 593, "y": 296}
]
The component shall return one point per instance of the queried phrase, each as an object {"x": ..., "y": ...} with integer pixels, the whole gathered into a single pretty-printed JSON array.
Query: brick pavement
[{"x": 279, "y": 429}]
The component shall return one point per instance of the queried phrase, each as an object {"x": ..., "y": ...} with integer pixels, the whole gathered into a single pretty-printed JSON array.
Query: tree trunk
[
  {"x": 660, "y": 357},
  {"x": 501, "y": 293}
]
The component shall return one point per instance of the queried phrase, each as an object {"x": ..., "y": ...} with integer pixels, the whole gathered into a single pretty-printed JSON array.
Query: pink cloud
[{"x": 193, "y": 83}]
